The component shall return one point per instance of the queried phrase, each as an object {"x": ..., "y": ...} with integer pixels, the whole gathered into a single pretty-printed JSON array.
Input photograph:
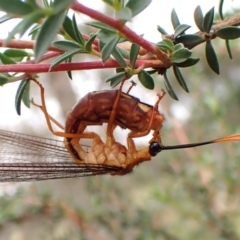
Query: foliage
[{"x": 51, "y": 19}]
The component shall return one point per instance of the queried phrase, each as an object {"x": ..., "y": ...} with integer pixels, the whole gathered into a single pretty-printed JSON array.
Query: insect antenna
[{"x": 155, "y": 147}]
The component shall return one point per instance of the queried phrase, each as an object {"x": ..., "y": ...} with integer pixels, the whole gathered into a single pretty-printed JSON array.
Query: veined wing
[{"x": 28, "y": 158}]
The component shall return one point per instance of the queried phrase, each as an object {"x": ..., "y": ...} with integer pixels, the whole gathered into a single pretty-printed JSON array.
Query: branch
[
  {"x": 231, "y": 21},
  {"x": 24, "y": 44},
  {"x": 127, "y": 32},
  {"x": 41, "y": 68}
]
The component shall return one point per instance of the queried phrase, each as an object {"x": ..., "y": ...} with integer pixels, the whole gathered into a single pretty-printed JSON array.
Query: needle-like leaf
[
  {"x": 19, "y": 95},
  {"x": 212, "y": 57},
  {"x": 46, "y": 34}
]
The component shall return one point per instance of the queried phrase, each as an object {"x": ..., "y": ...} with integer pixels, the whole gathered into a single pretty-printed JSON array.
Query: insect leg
[
  {"x": 156, "y": 134},
  {"x": 133, "y": 85},
  {"x": 49, "y": 118},
  {"x": 111, "y": 124},
  {"x": 94, "y": 154}
]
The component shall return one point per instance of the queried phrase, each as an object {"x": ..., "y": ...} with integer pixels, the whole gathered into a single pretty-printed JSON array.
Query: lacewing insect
[{"x": 100, "y": 107}]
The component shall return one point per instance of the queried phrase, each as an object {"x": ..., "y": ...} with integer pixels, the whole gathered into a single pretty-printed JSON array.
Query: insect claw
[
  {"x": 163, "y": 92},
  {"x": 35, "y": 104},
  {"x": 133, "y": 83},
  {"x": 160, "y": 96},
  {"x": 130, "y": 88}
]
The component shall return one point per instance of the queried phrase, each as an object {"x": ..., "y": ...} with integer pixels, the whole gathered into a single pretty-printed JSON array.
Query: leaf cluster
[
  {"x": 178, "y": 45},
  {"x": 44, "y": 22}
]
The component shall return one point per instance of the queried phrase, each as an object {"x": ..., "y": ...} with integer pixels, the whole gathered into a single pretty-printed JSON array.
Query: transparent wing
[{"x": 28, "y": 158}]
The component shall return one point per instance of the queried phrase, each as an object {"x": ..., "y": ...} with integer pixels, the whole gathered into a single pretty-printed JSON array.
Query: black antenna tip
[{"x": 154, "y": 148}]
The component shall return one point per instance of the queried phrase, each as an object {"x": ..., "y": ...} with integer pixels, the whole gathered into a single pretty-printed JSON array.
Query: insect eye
[{"x": 154, "y": 148}]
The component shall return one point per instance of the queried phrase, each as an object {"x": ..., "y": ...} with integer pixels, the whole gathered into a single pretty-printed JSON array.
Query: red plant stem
[
  {"x": 46, "y": 56},
  {"x": 127, "y": 32},
  {"x": 24, "y": 44},
  {"x": 40, "y": 68}
]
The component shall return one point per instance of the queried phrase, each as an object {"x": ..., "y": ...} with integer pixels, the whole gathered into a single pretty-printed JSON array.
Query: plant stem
[
  {"x": 127, "y": 32},
  {"x": 44, "y": 67}
]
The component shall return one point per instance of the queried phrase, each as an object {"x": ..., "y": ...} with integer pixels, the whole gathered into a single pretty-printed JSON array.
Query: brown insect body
[
  {"x": 115, "y": 108},
  {"x": 114, "y": 154},
  {"x": 95, "y": 109}
]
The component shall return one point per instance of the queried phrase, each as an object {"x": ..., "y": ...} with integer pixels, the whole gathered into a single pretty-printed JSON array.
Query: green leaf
[
  {"x": 188, "y": 63},
  {"x": 16, "y": 7},
  {"x": 19, "y": 95},
  {"x": 137, "y": 6},
  {"x": 26, "y": 95},
  {"x": 102, "y": 26},
  {"x": 161, "y": 30},
  {"x": 34, "y": 30},
  {"x": 65, "y": 45},
  {"x": 123, "y": 52},
  {"x": 174, "y": 19},
  {"x": 116, "y": 79},
  {"x": 118, "y": 70},
  {"x": 220, "y": 9},
  {"x": 101, "y": 44},
  {"x": 5, "y": 18},
  {"x": 69, "y": 73},
  {"x": 108, "y": 48},
  {"x": 190, "y": 40},
  {"x": 3, "y": 79},
  {"x": 163, "y": 47},
  {"x": 106, "y": 36},
  {"x": 133, "y": 54},
  {"x": 6, "y": 60},
  {"x": 88, "y": 45},
  {"x": 166, "y": 44},
  {"x": 208, "y": 20},
  {"x": 46, "y": 34},
  {"x": 181, "y": 55},
  {"x": 78, "y": 34},
  {"x": 68, "y": 27},
  {"x": 180, "y": 78},
  {"x": 228, "y": 33},
  {"x": 180, "y": 29},
  {"x": 124, "y": 14},
  {"x": 15, "y": 53},
  {"x": 61, "y": 5},
  {"x": 178, "y": 46},
  {"x": 169, "y": 87},
  {"x": 229, "y": 49},
  {"x": 63, "y": 57},
  {"x": 211, "y": 57},
  {"x": 198, "y": 18},
  {"x": 23, "y": 26},
  {"x": 119, "y": 57},
  {"x": 146, "y": 80},
  {"x": 150, "y": 72}
]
